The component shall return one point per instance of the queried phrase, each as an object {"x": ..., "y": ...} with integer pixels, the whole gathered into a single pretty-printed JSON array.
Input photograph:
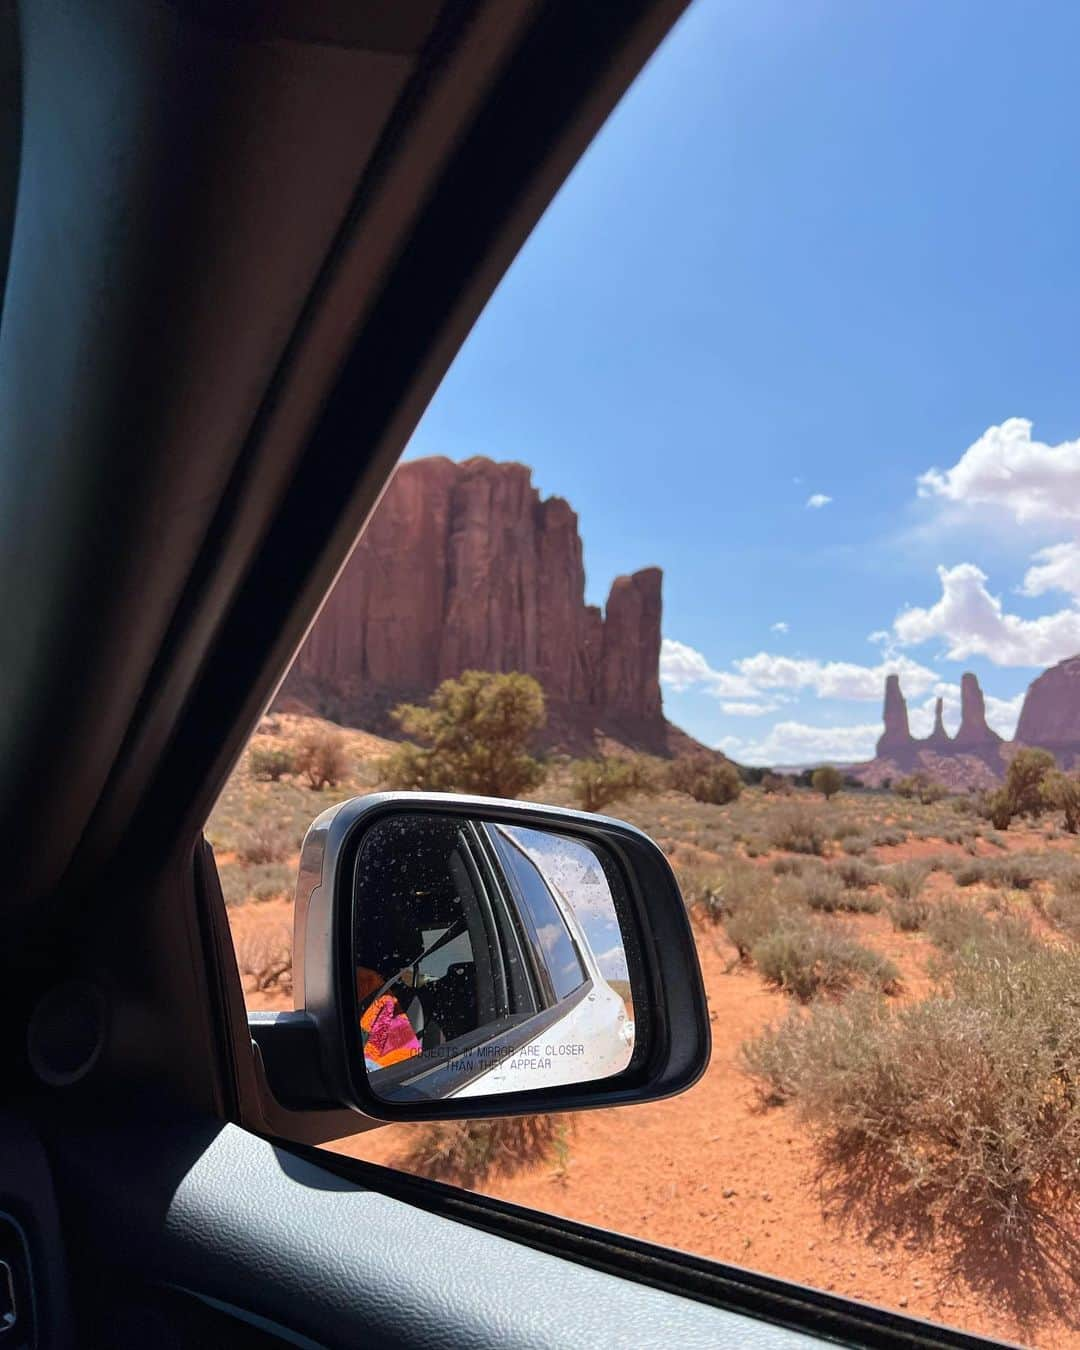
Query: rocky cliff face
[
  {"x": 1050, "y": 717},
  {"x": 464, "y": 566}
]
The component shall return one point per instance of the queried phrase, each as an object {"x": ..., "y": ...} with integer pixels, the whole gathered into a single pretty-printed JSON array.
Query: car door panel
[{"x": 253, "y": 1227}]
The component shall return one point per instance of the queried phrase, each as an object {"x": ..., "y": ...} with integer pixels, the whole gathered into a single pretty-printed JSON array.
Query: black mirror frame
[{"x": 670, "y": 990}]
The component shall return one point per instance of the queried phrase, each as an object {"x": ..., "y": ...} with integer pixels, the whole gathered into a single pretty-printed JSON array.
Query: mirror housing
[{"x": 669, "y": 1030}]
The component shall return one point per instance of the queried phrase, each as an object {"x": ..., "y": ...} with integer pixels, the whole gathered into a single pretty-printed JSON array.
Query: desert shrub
[
  {"x": 1024, "y": 780},
  {"x": 775, "y": 783},
  {"x": 1015, "y": 871},
  {"x": 969, "y": 1098},
  {"x": 957, "y": 927},
  {"x": 821, "y": 890},
  {"x": 827, "y": 780},
  {"x": 909, "y": 913},
  {"x": 470, "y": 1151},
  {"x": 920, "y": 787},
  {"x": 798, "y": 831},
  {"x": 888, "y": 837},
  {"x": 806, "y": 957},
  {"x": 1061, "y": 792},
  {"x": 855, "y": 874},
  {"x": 264, "y": 955},
  {"x": 844, "y": 828},
  {"x": 266, "y": 881},
  {"x": 265, "y": 841},
  {"x": 825, "y": 890},
  {"x": 857, "y": 845},
  {"x": 320, "y": 758},
  {"x": 1062, "y": 906},
  {"x": 270, "y": 762},
  {"x": 908, "y": 908},
  {"x": 599, "y": 782},
  {"x": 720, "y": 892},
  {"x": 473, "y": 736},
  {"x": 970, "y": 873},
  {"x": 706, "y": 778},
  {"x": 905, "y": 880},
  {"x": 788, "y": 866}
]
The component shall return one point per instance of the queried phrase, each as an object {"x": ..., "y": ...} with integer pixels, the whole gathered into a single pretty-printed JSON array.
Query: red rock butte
[
  {"x": 463, "y": 566},
  {"x": 977, "y": 756}
]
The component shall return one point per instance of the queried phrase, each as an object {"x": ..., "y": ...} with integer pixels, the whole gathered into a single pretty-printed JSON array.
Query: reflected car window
[{"x": 540, "y": 909}]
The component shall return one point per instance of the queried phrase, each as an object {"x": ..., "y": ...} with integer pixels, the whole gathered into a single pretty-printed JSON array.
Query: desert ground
[{"x": 725, "y": 1171}]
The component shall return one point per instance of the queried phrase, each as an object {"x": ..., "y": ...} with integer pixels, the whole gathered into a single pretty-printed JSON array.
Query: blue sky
[{"x": 822, "y": 249}]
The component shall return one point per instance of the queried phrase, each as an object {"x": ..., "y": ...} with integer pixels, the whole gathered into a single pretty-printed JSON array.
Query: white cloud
[
  {"x": 1006, "y": 468},
  {"x": 682, "y": 668},
  {"x": 1057, "y": 569},
  {"x": 833, "y": 679},
  {"x": 974, "y": 623},
  {"x": 780, "y": 626},
  {"x": 797, "y": 743},
  {"x": 748, "y": 709},
  {"x": 817, "y": 501}
]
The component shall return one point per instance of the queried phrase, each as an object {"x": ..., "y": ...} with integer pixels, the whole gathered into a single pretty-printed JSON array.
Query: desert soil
[{"x": 713, "y": 1173}]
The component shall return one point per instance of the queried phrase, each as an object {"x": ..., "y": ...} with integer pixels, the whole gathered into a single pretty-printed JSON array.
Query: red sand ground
[{"x": 713, "y": 1173}]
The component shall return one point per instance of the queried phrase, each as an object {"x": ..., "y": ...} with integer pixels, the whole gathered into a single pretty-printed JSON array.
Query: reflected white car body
[{"x": 594, "y": 1039}]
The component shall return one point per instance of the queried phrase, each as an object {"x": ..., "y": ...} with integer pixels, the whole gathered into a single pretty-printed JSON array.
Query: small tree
[
  {"x": 707, "y": 778},
  {"x": 473, "y": 736},
  {"x": 320, "y": 757},
  {"x": 1062, "y": 793},
  {"x": 827, "y": 780},
  {"x": 1024, "y": 781},
  {"x": 599, "y": 782}
]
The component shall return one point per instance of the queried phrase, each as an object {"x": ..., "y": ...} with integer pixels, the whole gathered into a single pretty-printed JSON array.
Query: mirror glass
[{"x": 489, "y": 958}]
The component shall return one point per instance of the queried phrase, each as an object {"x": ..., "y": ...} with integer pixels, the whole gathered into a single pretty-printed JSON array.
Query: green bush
[
  {"x": 1061, "y": 792},
  {"x": 473, "y": 736},
  {"x": 706, "y": 778},
  {"x": 1024, "y": 779},
  {"x": 827, "y": 780},
  {"x": 599, "y": 782},
  {"x": 270, "y": 763}
]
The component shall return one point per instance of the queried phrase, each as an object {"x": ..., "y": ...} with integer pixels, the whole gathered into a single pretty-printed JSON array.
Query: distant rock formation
[
  {"x": 1050, "y": 717},
  {"x": 464, "y": 566},
  {"x": 971, "y": 758},
  {"x": 896, "y": 739},
  {"x": 973, "y": 735}
]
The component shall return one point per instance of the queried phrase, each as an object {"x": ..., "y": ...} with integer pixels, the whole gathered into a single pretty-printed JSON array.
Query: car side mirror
[{"x": 463, "y": 956}]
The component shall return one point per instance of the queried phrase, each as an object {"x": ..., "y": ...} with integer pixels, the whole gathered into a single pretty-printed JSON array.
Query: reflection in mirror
[{"x": 489, "y": 958}]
